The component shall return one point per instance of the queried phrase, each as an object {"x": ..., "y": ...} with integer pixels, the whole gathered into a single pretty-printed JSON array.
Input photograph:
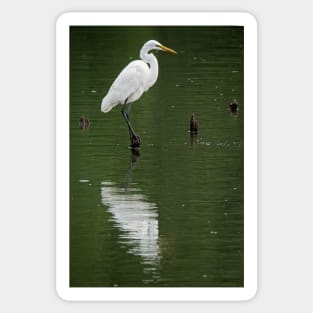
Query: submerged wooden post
[
  {"x": 84, "y": 122},
  {"x": 134, "y": 142},
  {"x": 234, "y": 106},
  {"x": 193, "y": 128}
]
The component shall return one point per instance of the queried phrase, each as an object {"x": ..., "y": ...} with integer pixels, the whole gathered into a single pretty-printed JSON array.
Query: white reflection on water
[{"x": 136, "y": 218}]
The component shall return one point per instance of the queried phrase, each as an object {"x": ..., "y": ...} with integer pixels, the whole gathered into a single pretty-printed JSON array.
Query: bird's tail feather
[{"x": 107, "y": 105}]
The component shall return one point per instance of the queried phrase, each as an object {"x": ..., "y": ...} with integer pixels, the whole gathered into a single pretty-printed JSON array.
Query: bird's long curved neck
[{"x": 153, "y": 63}]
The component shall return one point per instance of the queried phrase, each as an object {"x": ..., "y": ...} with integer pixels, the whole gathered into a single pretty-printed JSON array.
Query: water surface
[{"x": 172, "y": 214}]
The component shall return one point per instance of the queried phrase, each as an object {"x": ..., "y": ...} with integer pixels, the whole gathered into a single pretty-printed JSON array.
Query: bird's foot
[{"x": 135, "y": 142}]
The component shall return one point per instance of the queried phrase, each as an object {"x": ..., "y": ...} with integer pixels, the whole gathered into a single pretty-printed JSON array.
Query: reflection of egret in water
[{"x": 135, "y": 216}]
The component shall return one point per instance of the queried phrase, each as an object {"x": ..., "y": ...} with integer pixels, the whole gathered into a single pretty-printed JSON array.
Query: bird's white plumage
[
  {"x": 130, "y": 84},
  {"x": 136, "y": 78}
]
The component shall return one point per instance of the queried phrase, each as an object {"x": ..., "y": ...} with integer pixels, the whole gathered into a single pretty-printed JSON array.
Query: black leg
[{"x": 134, "y": 139}]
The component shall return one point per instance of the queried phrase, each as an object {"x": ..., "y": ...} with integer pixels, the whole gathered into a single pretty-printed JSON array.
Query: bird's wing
[{"x": 131, "y": 80}]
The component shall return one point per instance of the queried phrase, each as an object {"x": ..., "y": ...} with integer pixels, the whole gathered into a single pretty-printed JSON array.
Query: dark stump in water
[
  {"x": 84, "y": 122},
  {"x": 193, "y": 128},
  {"x": 234, "y": 106},
  {"x": 135, "y": 142},
  {"x": 135, "y": 155}
]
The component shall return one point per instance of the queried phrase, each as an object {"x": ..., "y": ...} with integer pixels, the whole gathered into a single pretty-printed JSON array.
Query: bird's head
[{"x": 155, "y": 45}]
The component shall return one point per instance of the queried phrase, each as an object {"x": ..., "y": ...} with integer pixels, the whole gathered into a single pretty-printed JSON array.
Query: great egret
[{"x": 136, "y": 78}]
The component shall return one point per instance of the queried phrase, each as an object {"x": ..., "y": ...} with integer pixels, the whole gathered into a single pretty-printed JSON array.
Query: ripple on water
[{"x": 84, "y": 180}]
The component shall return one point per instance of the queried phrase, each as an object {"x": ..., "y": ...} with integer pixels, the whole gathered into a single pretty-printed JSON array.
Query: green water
[{"x": 172, "y": 214}]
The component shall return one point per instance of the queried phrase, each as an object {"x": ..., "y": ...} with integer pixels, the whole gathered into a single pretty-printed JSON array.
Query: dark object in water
[
  {"x": 193, "y": 125},
  {"x": 233, "y": 107},
  {"x": 84, "y": 122},
  {"x": 134, "y": 142}
]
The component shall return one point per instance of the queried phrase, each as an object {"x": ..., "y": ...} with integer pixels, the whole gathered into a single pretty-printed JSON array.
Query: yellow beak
[{"x": 168, "y": 49}]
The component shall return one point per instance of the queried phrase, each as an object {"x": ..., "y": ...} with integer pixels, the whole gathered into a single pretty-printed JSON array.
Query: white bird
[{"x": 136, "y": 78}]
